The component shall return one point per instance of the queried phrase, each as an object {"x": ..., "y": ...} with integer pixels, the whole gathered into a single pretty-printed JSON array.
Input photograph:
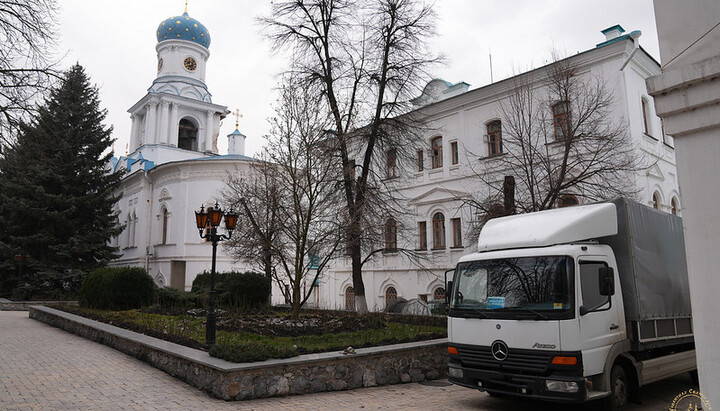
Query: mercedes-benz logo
[{"x": 499, "y": 350}]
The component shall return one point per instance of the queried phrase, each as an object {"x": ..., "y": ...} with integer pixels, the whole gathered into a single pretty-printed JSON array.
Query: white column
[
  {"x": 133, "y": 133},
  {"x": 163, "y": 124},
  {"x": 151, "y": 125},
  {"x": 173, "y": 139},
  {"x": 209, "y": 126}
]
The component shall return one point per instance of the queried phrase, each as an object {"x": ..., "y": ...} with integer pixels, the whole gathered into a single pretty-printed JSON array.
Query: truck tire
[{"x": 618, "y": 389}]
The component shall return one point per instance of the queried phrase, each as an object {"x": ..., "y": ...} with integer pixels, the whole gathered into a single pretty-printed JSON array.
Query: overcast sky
[{"x": 115, "y": 42}]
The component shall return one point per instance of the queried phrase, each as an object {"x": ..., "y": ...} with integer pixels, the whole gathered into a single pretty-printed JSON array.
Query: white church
[{"x": 173, "y": 167}]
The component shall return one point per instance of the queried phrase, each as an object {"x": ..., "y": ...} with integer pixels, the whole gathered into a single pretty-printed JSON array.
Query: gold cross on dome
[{"x": 238, "y": 116}]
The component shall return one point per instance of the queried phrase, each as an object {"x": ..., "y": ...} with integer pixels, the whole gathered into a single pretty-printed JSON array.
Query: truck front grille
[{"x": 532, "y": 362}]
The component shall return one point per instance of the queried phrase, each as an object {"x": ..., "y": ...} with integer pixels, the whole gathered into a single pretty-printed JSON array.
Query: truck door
[{"x": 599, "y": 329}]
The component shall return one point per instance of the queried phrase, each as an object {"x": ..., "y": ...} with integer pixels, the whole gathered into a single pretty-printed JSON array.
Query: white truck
[{"x": 572, "y": 305}]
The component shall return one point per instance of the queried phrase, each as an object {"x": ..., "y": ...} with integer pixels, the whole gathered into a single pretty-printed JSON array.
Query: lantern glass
[
  {"x": 201, "y": 218},
  {"x": 215, "y": 214},
  {"x": 231, "y": 220}
]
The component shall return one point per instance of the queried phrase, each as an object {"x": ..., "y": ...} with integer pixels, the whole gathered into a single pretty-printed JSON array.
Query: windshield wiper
[{"x": 529, "y": 310}]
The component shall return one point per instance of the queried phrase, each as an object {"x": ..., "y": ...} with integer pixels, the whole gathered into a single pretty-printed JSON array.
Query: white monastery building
[{"x": 173, "y": 167}]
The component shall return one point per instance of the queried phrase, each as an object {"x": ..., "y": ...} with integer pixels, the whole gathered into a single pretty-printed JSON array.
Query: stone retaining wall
[
  {"x": 7, "y": 305},
  {"x": 392, "y": 364}
]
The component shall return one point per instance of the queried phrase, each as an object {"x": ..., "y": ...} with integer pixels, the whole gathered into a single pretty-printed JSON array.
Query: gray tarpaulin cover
[{"x": 650, "y": 252}]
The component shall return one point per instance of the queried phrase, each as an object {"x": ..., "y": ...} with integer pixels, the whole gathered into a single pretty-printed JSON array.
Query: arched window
[
  {"x": 567, "y": 200},
  {"x": 390, "y": 295},
  {"x": 350, "y": 299},
  {"x": 187, "y": 135},
  {"x": 561, "y": 119},
  {"x": 390, "y": 235},
  {"x": 391, "y": 163},
  {"x": 128, "y": 229},
  {"x": 439, "y": 293},
  {"x": 674, "y": 206},
  {"x": 438, "y": 230},
  {"x": 656, "y": 200},
  {"x": 163, "y": 239},
  {"x": 494, "y": 138},
  {"x": 437, "y": 154},
  {"x": 646, "y": 115}
]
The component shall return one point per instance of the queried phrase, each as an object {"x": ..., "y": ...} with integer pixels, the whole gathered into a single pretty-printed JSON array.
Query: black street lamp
[{"x": 210, "y": 221}]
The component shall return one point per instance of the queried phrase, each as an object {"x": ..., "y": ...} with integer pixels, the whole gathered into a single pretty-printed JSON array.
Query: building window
[
  {"x": 656, "y": 200},
  {"x": 567, "y": 200},
  {"x": 391, "y": 163},
  {"x": 350, "y": 299},
  {"x": 422, "y": 235},
  {"x": 438, "y": 231},
  {"x": 163, "y": 240},
  {"x": 436, "y": 145},
  {"x": 420, "y": 160},
  {"x": 457, "y": 232},
  {"x": 390, "y": 235},
  {"x": 674, "y": 206},
  {"x": 561, "y": 114},
  {"x": 454, "y": 157},
  {"x": 439, "y": 294},
  {"x": 390, "y": 295},
  {"x": 646, "y": 115},
  {"x": 187, "y": 135},
  {"x": 494, "y": 135}
]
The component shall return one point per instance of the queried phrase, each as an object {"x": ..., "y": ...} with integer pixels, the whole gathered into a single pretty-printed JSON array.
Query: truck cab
[{"x": 539, "y": 312}]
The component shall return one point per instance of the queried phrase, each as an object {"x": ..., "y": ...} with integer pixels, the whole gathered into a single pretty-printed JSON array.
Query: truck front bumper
[{"x": 559, "y": 388}]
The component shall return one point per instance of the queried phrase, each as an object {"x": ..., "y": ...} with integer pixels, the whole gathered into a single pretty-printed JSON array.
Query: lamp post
[{"x": 207, "y": 224}]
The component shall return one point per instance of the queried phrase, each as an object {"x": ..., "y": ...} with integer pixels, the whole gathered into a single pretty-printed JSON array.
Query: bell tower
[{"x": 177, "y": 110}]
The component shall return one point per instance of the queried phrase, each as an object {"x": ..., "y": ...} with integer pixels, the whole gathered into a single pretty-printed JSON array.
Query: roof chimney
[{"x": 613, "y": 32}]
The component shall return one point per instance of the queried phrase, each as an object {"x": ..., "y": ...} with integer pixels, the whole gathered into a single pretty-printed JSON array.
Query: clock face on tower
[{"x": 190, "y": 64}]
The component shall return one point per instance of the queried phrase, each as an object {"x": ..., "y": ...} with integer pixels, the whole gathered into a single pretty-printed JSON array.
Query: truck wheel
[{"x": 618, "y": 389}]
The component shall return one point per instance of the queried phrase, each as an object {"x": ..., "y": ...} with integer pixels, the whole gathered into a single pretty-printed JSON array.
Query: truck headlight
[
  {"x": 561, "y": 386},
  {"x": 455, "y": 372}
]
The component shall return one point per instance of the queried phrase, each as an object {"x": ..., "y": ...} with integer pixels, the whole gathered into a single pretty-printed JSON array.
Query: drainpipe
[
  {"x": 149, "y": 223},
  {"x": 635, "y": 36}
]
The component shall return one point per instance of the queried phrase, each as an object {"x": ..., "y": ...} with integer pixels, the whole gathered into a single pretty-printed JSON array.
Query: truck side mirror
[
  {"x": 448, "y": 290},
  {"x": 606, "y": 281}
]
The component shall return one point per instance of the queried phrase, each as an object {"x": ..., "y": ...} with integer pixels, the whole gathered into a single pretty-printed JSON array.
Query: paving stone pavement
[{"x": 45, "y": 368}]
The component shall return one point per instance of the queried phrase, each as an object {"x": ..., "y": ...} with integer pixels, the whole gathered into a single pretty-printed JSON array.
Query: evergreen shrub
[
  {"x": 117, "y": 288},
  {"x": 175, "y": 299},
  {"x": 244, "y": 290}
]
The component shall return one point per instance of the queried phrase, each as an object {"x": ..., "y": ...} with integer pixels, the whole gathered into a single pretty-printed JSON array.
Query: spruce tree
[{"x": 56, "y": 196}]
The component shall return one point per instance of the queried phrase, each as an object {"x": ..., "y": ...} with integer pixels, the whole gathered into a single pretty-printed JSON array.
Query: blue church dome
[{"x": 183, "y": 28}]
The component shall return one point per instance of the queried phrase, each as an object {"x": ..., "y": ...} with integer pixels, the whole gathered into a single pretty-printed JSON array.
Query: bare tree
[
  {"x": 27, "y": 35},
  {"x": 287, "y": 198},
  {"x": 364, "y": 60},
  {"x": 561, "y": 142}
]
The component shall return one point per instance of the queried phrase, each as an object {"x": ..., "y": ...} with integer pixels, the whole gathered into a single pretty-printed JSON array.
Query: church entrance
[{"x": 177, "y": 275}]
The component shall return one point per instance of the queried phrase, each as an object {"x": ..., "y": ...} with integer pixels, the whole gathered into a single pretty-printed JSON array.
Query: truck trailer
[{"x": 572, "y": 305}]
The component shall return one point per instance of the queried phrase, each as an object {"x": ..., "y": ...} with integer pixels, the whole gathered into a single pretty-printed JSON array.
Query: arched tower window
[
  {"x": 656, "y": 200},
  {"x": 439, "y": 293},
  {"x": 187, "y": 135}
]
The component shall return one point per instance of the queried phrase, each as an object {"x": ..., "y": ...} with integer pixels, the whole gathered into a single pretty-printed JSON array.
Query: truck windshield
[{"x": 535, "y": 287}]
